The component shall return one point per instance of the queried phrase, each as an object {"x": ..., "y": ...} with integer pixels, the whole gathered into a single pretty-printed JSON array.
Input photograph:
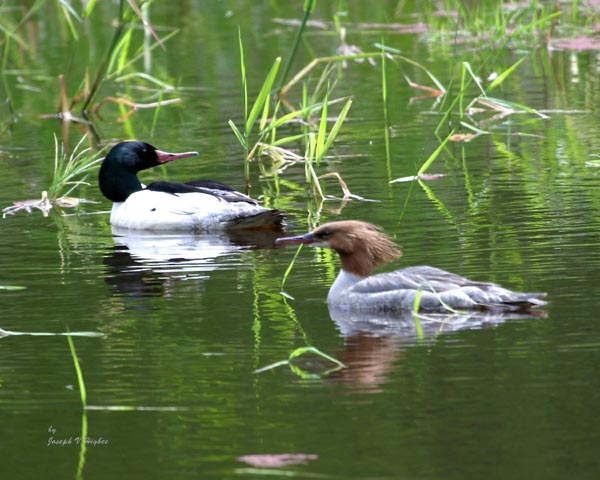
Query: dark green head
[{"x": 118, "y": 173}]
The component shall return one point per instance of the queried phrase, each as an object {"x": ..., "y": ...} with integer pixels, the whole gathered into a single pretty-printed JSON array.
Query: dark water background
[{"x": 187, "y": 320}]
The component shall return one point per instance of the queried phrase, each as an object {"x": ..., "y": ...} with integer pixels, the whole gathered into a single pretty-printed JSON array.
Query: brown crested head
[{"x": 361, "y": 245}]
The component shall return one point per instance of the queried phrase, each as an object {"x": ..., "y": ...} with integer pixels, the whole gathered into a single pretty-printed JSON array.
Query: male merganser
[
  {"x": 361, "y": 247},
  {"x": 202, "y": 205}
]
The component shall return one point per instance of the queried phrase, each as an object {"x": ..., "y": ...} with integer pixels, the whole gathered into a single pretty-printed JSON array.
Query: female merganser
[
  {"x": 361, "y": 247},
  {"x": 202, "y": 205}
]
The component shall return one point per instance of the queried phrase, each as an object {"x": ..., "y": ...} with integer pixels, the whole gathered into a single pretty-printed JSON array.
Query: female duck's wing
[
  {"x": 439, "y": 290},
  {"x": 413, "y": 278}
]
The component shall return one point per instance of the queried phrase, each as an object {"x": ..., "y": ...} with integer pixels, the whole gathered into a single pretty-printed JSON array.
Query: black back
[{"x": 209, "y": 187}]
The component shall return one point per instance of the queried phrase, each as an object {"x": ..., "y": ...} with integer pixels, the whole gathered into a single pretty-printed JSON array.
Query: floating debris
[
  {"x": 7, "y": 333},
  {"x": 276, "y": 460},
  {"x": 462, "y": 137},
  {"x": 43, "y": 204},
  {"x": 422, "y": 177}
]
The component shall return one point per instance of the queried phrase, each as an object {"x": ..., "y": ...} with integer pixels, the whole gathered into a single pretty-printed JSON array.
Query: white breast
[{"x": 337, "y": 292}]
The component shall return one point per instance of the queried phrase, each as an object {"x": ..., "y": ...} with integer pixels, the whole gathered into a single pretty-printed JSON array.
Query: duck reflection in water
[
  {"x": 375, "y": 341},
  {"x": 146, "y": 264}
]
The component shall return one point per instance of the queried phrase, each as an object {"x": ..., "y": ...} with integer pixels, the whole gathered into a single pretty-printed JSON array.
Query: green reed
[
  {"x": 308, "y": 7},
  {"x": 415, "y": 313},
  {"x": 287, "y": 272},
  {"x": 301, "y": 372},
  {"x": 120, "y": 54},
  {"x": 498, "y": 23},
  {"x": 260, "y": 107},
  {"x": 117, "y": 56},
  {"x": 258, "y": 134},
  {"x": 79, "y": 373},
  {"x": 83, "y": 397},
  {"x": 70, "y": 172},
  {"x": 386, "y": 113},
  {"x": 71, "y": 169}
]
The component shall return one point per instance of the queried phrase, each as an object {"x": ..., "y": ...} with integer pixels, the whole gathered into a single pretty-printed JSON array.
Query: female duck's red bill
[{"x": 164, "y": 157}]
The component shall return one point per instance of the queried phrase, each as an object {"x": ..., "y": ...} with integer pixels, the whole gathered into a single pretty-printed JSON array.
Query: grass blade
[
  {"x": 515, "y": 107},
  {"x": 309, "y": 6},
  {"x": 288, "y": 270},
  {"x": 338, "y": 124},
  {"x": 89, "y": 7},
  {"x": 320, "y": 145},
  {"x": 500, "y": 78},
  {"x": 467, "y": 67},
  {"x": 238, "y": 134},
  {"x": 262, "y": 97},
  {"x": 434, "y": 155},
  {"x": 287, "y": 117},
  {"x": 80, "y": 382},
  {"x": 243, "y": 72},
  {"x": 290, "y": 139},
  {"x": 316, "y": 351},
  {"x": 271, "y": 366}
]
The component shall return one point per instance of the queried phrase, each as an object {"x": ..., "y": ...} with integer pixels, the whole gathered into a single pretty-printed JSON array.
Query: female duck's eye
[{"x": 325, "y": 234}]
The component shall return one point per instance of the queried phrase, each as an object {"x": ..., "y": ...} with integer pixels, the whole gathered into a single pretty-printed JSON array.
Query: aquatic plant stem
[
  {"x": 434, "y": 155},
  {"x": 299, "y": 371},
  {"x": 83, "y": 397},
  {"x": 80, "y": 382},
  {"x": 309, "y": 6},
  {"x": 386, "y": 118},
  {"x": 315, "y": 61},
  {"x": 288, "y": 270},
  {"x": 104, "y": 64}
]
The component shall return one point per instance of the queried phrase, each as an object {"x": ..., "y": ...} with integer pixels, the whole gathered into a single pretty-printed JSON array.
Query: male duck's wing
[{"x": 209, "y": 187}]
